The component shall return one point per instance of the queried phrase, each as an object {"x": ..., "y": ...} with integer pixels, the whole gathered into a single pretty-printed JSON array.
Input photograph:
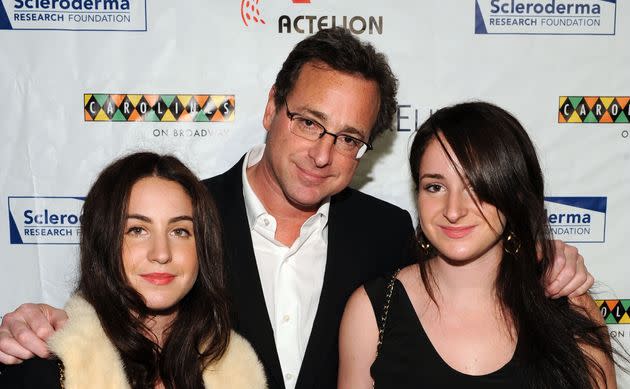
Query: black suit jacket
[{"x": 366, "y": 238}]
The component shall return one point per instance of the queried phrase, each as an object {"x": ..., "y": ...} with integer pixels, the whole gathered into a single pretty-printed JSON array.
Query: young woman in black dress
[{"x": 472, "y": 313}]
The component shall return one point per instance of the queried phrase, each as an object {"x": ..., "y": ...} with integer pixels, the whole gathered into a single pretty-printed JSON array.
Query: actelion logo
[
  {"x": 573, "y": 17},
  {"x": 409, "y": 117},
  {"x": 614, "y": 311},
  {"x": 102, "y": 107},
  {"x": 251, "y": 13},
  {"x": 594, "y": 109},
  {"x": 309, "y": 24},
  {"x": 103, "y": 15}
]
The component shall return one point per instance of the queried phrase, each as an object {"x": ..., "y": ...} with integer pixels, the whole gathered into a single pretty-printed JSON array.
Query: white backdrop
[{"x": 527, "y": 56}]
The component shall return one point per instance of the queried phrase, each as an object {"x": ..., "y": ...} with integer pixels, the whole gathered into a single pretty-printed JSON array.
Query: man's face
[{"x": 308, "y": 171}]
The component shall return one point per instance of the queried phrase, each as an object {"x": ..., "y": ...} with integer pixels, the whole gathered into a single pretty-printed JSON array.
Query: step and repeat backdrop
[{"x": 85, "y": 81}]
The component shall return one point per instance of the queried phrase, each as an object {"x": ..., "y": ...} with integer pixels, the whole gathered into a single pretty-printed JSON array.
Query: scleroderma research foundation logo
[
  {"x": 101, "y": 107},
  {"x": 546, "y": 17},
  {"x": 44, "y": 219},
  {"x": 74, "y": 15}
]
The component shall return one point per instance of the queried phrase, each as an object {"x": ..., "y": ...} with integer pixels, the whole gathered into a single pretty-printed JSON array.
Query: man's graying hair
[{"x": 340, "y": 50}]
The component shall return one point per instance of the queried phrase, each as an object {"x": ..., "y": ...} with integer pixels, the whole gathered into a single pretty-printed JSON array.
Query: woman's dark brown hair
[
  {"x": 499, "y": 161},
  {"x": 200, "y": 332}
]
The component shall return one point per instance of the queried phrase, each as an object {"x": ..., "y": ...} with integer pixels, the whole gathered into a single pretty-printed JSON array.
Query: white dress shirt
[{"x": 291, "y": 277}]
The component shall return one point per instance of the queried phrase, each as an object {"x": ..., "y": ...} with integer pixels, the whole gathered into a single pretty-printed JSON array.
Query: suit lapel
[{"x": 251, "y": 316}]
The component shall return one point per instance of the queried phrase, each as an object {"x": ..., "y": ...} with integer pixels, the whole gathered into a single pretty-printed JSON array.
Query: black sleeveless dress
[
  {"x": 34, "y": 373},
  {"x": 408, "y": 360}
]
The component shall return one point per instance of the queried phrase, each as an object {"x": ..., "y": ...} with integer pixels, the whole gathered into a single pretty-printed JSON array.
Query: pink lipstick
[
  {"x": 158, "y": 278},
  {"x": 457, "y": 232}
]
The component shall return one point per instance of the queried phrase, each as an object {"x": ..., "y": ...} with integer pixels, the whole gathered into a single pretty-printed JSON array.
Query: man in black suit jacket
[
  {"x": 330, "y": 100},
  {"x": 332, "y": 97},
  {"x": 366, "y": 237}
]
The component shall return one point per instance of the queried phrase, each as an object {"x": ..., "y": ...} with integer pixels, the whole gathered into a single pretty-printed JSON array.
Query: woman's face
[
  {"x": 449, "y": 217},
  {"x": 158, "y": 252}
]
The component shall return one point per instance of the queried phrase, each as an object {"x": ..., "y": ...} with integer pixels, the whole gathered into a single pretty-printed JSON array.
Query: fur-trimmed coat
[{"x": 91, "y": 361}]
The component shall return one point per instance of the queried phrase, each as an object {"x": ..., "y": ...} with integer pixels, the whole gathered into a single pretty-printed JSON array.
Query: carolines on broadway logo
[
  {"x": 44, "y": 219},
  {"x": 614, "y": 311},
  {"x": 594, "y": 109},
  {"x": 91, "y": 15},
  {"x": 572, "y": 17},
  {"x": 577, "y": 219},
  {"x": 100, "y": 107},
  {"x": 294, "y": 19}
]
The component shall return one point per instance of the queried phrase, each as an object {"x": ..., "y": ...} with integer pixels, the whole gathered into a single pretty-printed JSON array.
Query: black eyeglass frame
[{"x": 360, "y": 153}]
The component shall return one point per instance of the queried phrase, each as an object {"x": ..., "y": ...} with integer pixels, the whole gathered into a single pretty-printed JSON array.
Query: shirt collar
[{"x": 253, "y": 206}]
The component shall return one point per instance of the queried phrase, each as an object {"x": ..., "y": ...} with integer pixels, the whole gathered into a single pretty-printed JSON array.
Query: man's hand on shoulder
[
  {"x": 23, "y": 333},
  {"x": 569, "y": 275}
]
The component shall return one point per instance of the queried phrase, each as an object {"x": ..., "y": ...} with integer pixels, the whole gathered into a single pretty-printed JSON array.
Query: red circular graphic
[{"x": 248, "y": 8}]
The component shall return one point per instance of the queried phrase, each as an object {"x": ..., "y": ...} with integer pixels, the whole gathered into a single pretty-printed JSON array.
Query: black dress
[
  {"x": 407, "y": 358},
  {"x": 35, "y": 373}
]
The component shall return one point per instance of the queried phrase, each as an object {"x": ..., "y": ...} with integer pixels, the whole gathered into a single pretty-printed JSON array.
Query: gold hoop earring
[
  {"x": 425, "y": 245},
  {"x": 511, "y": 244}
]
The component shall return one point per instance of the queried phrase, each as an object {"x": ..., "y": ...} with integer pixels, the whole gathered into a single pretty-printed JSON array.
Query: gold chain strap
[
  {"x": 388, "y": 299},
  {"x": 62, "y": 376}
]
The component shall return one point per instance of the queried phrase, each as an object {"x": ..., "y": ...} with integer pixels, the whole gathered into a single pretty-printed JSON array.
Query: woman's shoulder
[
  {"x": 375, "y": 286},
  {"x": 381, "y": 289},
  {"x": 239, "y": 367},
  {"x": 33, "y": 373}
]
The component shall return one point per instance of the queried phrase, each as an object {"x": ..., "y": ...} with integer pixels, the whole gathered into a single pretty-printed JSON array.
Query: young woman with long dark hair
[
  {"x": 149, "y": 310},
  {"x": 472, "y": 313}
]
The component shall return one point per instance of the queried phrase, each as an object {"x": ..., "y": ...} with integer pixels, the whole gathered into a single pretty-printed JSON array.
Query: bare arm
[
  {"x": 585, "y": 302},
  {"x": 358, "y": 336},
  {"x": 23, "y": 333},
  {"x": 569, "y": 275}
]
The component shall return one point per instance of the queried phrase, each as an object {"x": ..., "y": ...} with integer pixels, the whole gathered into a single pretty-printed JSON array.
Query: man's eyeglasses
[{"x": 310, "y": 129}]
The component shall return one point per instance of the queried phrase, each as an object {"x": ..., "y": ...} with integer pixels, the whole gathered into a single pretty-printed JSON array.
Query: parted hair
[
  {"x": 499, "y": 161},
  {"x": 340, "y": 50},
  {"x": 200, "y": 332}
]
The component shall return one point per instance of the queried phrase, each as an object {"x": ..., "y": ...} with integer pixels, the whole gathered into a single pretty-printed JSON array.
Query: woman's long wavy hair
[
  {"x": 499, "y": 160},
  {"x": 200, "y": 332}
]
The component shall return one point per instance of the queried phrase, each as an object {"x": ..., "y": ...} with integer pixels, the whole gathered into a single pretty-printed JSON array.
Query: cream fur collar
[{"x": 91, "y": 360}]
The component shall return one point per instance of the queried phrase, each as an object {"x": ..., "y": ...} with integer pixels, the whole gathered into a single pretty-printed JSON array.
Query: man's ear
[{"x": 270, "y": 109}]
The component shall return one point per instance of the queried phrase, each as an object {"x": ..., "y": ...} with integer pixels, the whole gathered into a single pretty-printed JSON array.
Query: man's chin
[{"x": 304, "y": 202}]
